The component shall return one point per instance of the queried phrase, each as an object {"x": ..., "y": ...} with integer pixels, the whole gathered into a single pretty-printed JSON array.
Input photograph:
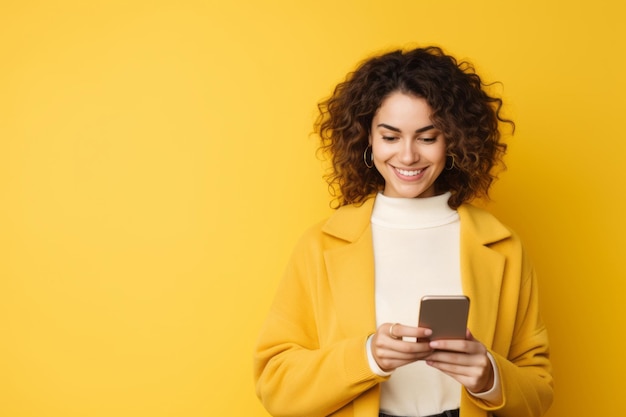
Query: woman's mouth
[{"x": 409, "y": 173}]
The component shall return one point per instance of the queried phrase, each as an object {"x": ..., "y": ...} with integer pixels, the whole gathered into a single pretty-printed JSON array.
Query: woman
[{"x": 413, "y": 137}]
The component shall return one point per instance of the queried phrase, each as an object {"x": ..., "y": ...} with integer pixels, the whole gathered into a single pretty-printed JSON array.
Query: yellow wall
[{"x": 156, "y": 169}]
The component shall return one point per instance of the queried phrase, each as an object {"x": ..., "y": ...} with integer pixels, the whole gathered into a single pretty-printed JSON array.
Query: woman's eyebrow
[{"x": 395, "y": 129}]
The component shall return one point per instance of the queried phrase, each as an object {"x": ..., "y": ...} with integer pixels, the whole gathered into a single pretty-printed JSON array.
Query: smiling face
[{"x": 407, "y": 150}]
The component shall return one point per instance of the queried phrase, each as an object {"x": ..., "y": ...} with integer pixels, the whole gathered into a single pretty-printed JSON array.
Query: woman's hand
[
  {"x": 464, "y": 360},
  {"x": 391, "y": 352}
]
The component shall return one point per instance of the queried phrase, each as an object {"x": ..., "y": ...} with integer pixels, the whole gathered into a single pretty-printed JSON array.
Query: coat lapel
[
  {"x": 350, "y": 268},
  {"x": 482, "y": 269}
]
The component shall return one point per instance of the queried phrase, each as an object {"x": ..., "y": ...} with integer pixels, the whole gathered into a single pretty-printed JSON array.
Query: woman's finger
[{"x": 390, "y": 350}]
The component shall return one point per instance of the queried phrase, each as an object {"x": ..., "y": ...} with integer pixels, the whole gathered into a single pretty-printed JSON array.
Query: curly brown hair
[{"x": 462, "y": 111}]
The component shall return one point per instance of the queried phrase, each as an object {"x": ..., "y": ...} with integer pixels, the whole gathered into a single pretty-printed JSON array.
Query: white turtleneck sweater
[{"x": 416, "y": 253}]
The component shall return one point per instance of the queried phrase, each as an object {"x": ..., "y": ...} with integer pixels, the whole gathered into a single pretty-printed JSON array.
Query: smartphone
[{"x": 445, "y": 315}]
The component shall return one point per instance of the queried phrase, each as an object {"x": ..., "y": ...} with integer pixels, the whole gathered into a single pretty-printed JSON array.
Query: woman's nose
[{"x": 409, "y": 152}]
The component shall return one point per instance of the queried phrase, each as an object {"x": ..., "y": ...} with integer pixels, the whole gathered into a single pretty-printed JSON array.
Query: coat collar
[
  {"x": 350, "y": 267},
  {"x": 350, "y": 222}
]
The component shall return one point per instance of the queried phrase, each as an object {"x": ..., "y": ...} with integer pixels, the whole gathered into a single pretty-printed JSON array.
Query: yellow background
[{"x": 156, "y": 168}]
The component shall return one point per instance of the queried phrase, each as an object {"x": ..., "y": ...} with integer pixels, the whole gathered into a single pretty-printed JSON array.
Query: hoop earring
[
  {"x": 452, "y": 165},
  {"x": 371, "y": 157}
]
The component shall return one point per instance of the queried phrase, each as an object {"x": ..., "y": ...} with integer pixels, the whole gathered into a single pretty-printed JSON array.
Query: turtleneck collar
[{"x": 413, "y": 213}]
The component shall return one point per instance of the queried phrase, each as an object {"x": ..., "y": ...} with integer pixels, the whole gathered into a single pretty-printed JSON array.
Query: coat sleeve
[
  {"x": 296, "y": 372},
  {"x": 524, "y": 368}
]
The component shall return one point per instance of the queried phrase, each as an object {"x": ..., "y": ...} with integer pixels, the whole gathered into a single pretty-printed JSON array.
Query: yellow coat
[{"x": 310, "y": 359}]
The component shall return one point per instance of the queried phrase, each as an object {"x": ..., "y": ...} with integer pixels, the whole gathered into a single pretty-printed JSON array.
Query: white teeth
[{"x": 409, "y": 173}]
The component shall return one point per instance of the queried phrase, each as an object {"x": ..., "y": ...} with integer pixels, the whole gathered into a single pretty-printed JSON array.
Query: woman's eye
[
  {"x": 389, "y": 138},
  {"x": 429, "y": 140}
]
